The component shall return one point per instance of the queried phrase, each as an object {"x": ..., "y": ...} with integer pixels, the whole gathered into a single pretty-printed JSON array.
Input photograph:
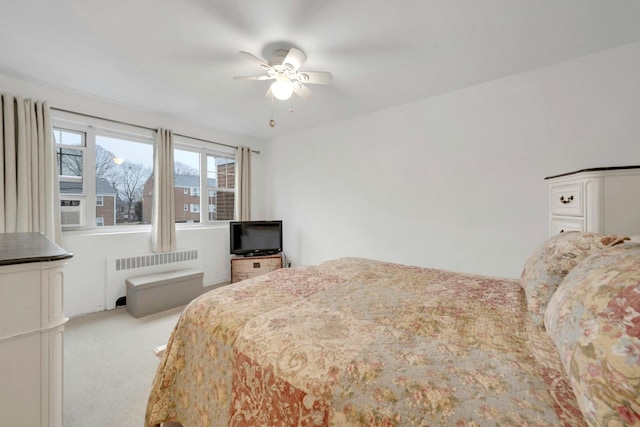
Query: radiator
[
  {"x": 149, "y": 260},
  {"x": 121, "y": 268}
]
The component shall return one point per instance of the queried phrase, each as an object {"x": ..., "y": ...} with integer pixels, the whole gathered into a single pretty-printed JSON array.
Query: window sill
[
  {"x": 141, "y": 229},
  {"x": 128, "y": 229},
  {"x": 198, "y": 225}
]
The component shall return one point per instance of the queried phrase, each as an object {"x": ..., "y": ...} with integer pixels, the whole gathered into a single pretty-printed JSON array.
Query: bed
[{"x": 358, "y": 342}]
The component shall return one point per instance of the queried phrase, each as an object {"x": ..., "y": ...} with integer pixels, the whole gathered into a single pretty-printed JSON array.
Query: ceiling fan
[{"x": 284, "y": 67}]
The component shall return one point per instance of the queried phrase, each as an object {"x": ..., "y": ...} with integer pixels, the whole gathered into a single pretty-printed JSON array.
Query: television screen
[{"x": 255, "y": 237}]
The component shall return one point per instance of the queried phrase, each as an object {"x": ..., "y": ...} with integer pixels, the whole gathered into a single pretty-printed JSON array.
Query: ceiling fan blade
[
  {"x": 253, "y": 78},
  {"x": 294, "y": 60},
  {"x": 315, "y": 77},
  {"x": 255, "y": 59},
  {"x": 302, "y": 91}
]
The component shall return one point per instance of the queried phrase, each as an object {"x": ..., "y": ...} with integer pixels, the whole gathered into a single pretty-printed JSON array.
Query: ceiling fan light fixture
[
  {"x": 294, "y": 59},
  {"x": 282, "y": 89},
  {"x": 283, "y": 67}
]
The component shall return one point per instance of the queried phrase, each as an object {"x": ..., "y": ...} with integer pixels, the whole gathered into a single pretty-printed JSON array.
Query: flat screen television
[{"x": 255, "y": 237}]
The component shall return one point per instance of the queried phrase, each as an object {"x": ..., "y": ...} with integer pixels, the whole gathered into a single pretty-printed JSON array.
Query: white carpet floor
[{"x": 109, "y": 366}]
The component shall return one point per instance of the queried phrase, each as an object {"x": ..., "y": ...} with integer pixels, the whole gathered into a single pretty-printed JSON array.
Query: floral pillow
[
  {"x": 547, "y": 267},
  {"x": 594, "y": 320}
]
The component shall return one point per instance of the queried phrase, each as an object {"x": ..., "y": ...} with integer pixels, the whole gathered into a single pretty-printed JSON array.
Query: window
[
  {"x": 212, "y": 207},
  {"x": 220, "y": 188},
  {"x": 217, "y": 202},
  {"x": 70, "y": 163},
  {"x": 124, "y": 168},
  {"x": 105, "y": 172},
  {"x": 106, "y": 175},
  {"x": 70, "y": 147},
  {"x": 70, "y": 157},
  {"x": 186, "y": 170}
]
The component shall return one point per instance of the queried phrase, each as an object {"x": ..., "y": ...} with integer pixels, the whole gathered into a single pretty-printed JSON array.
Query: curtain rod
[{"x": 147, "y": 128}]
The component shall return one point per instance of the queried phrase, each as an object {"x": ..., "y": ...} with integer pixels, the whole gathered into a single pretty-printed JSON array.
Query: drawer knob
[{"x": 567, "y": 200}]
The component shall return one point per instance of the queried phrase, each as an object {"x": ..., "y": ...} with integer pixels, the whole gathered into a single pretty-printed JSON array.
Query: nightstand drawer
[
  {"x": 243, "y": 268},
  {"x": 562, "y": 225},
  {"x": 566, "y": 200}
]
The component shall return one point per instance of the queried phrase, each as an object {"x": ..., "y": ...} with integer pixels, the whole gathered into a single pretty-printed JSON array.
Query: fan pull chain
[{"x": 272, "y": 122}]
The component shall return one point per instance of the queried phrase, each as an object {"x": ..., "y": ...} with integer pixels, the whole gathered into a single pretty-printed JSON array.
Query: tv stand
[{"x": 252, "y": 265}]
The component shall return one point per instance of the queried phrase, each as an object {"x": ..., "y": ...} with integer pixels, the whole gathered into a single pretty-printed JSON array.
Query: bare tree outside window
[
  {"x": 126, "y": 165},
  {"x": 69, "y": 158},
  {"x": 105, "y": 166},
  {"x": 183, "y": 169},
  {"x": 128, "y": 179},
  {"x": 69, "y": 162}
]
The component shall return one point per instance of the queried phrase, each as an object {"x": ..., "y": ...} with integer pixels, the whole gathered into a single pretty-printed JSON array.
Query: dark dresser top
[{"x": 21, "y": 248}]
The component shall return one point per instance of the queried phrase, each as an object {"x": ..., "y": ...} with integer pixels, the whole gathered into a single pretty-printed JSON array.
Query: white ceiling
[{"x": 178, "y": 57}]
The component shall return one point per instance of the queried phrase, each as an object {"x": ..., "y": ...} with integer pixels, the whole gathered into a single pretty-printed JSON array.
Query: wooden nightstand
[{"x": 243, "y": 268}]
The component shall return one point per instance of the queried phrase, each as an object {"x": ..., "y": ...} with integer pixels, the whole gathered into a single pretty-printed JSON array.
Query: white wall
[
  {"x": 89, "y": 284},
  {"x": 452, "y": 182},
  {"x": 456, "y": 181},
  {"x": 93, "y": 284}
]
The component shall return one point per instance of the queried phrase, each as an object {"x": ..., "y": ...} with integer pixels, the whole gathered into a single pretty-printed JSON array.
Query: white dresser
[
  {"x": 31, "y": 330},
  {"x": 600, "y": 200}
]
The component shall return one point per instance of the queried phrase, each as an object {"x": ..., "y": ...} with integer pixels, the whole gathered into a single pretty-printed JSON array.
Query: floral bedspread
[{"x": 356, "y": 342}]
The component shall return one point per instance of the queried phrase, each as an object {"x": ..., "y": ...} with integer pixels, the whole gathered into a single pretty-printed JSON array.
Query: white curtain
[
  {"x": 163, "y": 222},
  {"x": 243, "y": 184},
  {"x": 29, "y": 193}
]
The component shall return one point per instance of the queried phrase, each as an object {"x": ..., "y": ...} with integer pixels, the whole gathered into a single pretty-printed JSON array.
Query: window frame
[
  {"x": 217, "y": 190},
  {"x": 204, "y": 149},
  {"x": 87, "y": 179},
  {"x": 82, "y": 148},
  {"x": 93, "y": 126}
]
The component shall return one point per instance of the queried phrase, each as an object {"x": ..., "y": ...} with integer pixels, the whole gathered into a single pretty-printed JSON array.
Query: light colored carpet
[{"x": 109, "y": 366}]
